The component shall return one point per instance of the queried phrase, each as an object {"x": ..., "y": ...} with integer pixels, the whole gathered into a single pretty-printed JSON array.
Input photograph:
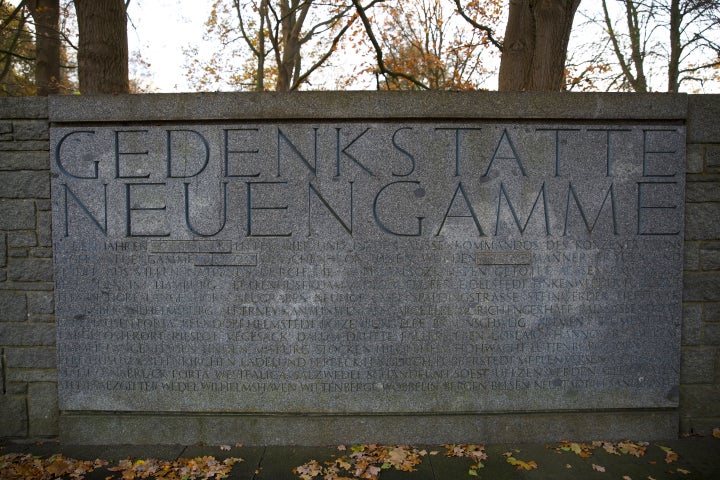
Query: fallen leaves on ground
[
  {"x": 364, "y": 461},
  {"x": 670, "y": 456},
  {"x": 520, "y": 464},
  {"x": 636, "y": 449},
  {"x": 28, "y": 467},
  {"x": 716, "y": 432},
  {"x": 474, "y": 452},
  {"x": 181, "y": 469},
  {"x": 598, "y": 468}
]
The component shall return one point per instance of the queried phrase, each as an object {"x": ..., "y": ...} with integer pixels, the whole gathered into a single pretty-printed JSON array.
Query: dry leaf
[
  {"x": 670, "y": 456},
  {"x": 225, "y": 447},
  {"x": 683, "y": 471},
  {"x": 598, "y": 468},
  {"x": 716, "y": 432}
]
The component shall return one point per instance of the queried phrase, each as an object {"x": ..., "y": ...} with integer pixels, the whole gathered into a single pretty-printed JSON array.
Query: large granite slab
[{"x": 358, "y": 267}]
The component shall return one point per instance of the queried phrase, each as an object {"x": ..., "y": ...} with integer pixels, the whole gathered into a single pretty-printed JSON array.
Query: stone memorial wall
[
  {"x": 358, "y": 267},
  {"x": 368, "y": 267}
]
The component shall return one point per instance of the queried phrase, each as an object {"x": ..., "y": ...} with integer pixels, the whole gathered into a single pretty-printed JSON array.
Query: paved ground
[{"x": 698, "y": 458}]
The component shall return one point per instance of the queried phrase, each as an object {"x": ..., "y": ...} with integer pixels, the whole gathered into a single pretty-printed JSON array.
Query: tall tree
[
  {"x": 427, "y": 44},
  {"x": 270, "y": 44},
  {"x": 46, "y": 14},
  {"x": 658, "y": 45},
  {"x": 17, "y": 51},
  {"x": 103, "y": 46},
  {"x": 535, "y": 45}
]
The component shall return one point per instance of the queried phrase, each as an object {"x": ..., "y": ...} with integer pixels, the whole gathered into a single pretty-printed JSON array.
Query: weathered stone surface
[
  {"x": 30, "y": 357},
  {"x": 13, "y": 306},
  {"x": 44, "y": 228},
  {"x": 711, "y": 312},
  {"x": 25, "y": 161},
  {"x": 701, "y": 287},
  {"x": 342, "y": 429},
  {"x": 702, "y": 125},
  {"x": 42, "y": 409},
  {"x": 320, "y": 106},
  {"x": 30, "y": 269},
  {"x": 700, "y": 400},
  {"x": 25, "y": 184},
  {"x": 698, "y": 192},
  {"x": 21, "y": 239},
  {"x": 712, "y": 334},
  {"x": 17, "y": 214},
  {"x": 13, "y": 421},
  {"x": 28, "y": 334},
  {"x": 365, "y": 268},
  {"x": 695, "y": 158},
  {"x": 30, "y": 130},
  {"x": 23, "y": 107},
  {"x": 3, "y": 250},
  {"x": 692, "y": 324},
  {"x": 40, "y": 302},
  {"x": 712, "y": 156},
  {"x": 692, "y": 256},
  {"x": 698, "y": 365},
  {"x": 710, "y": 256},
  {"x": 701, "y": 221}
]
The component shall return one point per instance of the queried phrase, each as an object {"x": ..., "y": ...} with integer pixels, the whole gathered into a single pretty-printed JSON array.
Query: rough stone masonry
[{"x": 307, "y": 269}]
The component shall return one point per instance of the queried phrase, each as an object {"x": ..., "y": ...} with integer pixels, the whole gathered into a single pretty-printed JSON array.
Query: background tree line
[{"x": 63, "y": 46}]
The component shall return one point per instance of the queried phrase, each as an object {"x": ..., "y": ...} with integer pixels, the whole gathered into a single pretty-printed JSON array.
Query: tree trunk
[
  {"x": 46, "y": 14},
  {"x": 103, "y": 47},
  {"x": 675, "y": 47},
  {"x": 536, "y": 39}
]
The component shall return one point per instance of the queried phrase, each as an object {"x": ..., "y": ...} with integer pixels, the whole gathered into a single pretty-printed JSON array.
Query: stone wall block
[
  {"x": 23, "y": 107},
  {"x": 700, "y": 400},
  {"x": 711, "y": 312},
  {"x": 30, "y": 130},
  {"x": 44, "y": 228},
  {"x": 30, "y": 357},
  {"x": 710, "y": 256},
  {"x": 25, "y": 161},
  {"x": 42, "y": 409},
  {"x": 697, "y": 365},
  {"x": 40, "y": 302},
  {"x": 3, "y": 250},
  {"x": 30, "y": 334},
  {"x": 707, "y": 191},
  {"x": 692, "y": 256},
  {"x": 21, "y": 239},
  {"x": 13, "y": 306},
  {"x": 25, "y": 184},
  {"x": 711, "y": 333},
  {"x": 695, "y": 158},
  {"x": 13, "y": 416},
  {"x": 692, "y": 324},
  {"x": 701, "y": 287},
  {"x": 712, "y": 157},
  {"x": 17, "y": 214},
  {"x": 701, "y": 221},
  {"x": 30, "y": 269}
]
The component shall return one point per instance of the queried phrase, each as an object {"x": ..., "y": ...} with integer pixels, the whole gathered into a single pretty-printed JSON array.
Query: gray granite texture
[{"x": 357, "y": 267}]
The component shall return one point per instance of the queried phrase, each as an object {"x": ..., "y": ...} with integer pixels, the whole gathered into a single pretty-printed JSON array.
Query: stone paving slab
[{"x": 699, "y": 459}]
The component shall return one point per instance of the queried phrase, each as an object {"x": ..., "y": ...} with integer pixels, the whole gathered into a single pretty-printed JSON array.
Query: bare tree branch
[
  {"x": 489, "y": 32},
  {"x": 378, "y": 50}
]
